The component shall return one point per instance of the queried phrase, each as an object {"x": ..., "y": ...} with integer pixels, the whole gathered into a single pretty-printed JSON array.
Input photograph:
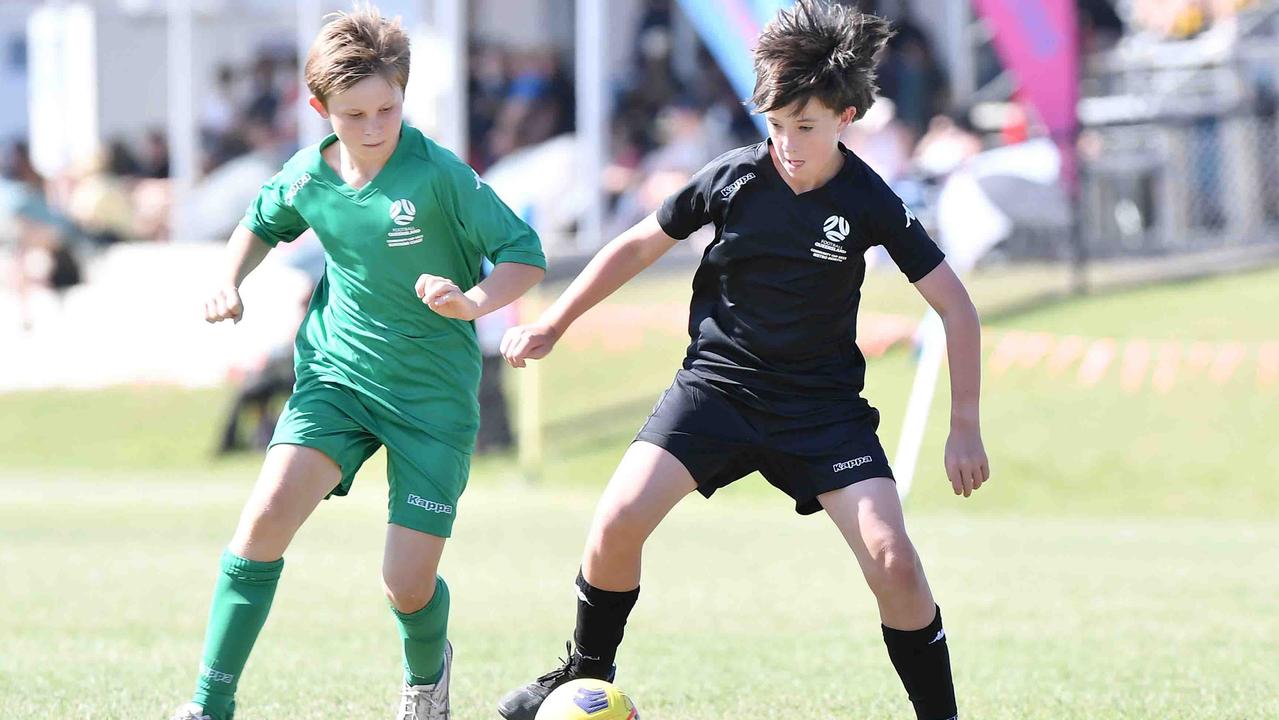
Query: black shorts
[{"x": 720, "y": 440}]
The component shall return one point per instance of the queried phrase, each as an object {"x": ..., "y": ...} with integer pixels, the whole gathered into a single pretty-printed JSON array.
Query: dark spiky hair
[{"x": 819, "y": 50}]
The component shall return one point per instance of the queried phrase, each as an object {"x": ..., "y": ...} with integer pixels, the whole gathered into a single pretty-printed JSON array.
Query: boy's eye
[
  {"x": 805, "y": 129},
  {"x": 354, "y": 114}
]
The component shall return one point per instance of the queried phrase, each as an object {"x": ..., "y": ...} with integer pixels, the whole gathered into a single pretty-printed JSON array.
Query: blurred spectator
[
  {"x": 1100, "y": 27},
  {"x": 155, "y": 154},
  {"x": 1179, "y": 19},
  {"x": 684, "y": 146},
  {"x": 486, "y": 89},
  {"x": 910, "y": 75},
  {"x": 120, "y": 160},
  {"x": 152, "y": 199},
  {"x": 222, "y": 195},
  {"x": 264, "y": 93},
  {"x": 882, "y": 141},
  {"x": 38, "y": 239},
  {"x": 949, "y": 142},
  {"x": 539, "y": 104},
  {"x": 220, "y": 106},
  {"x": 99, "y": 202}
]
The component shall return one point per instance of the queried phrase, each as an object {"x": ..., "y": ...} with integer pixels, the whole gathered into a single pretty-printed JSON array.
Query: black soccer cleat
[{"x": 522, "y": 703}]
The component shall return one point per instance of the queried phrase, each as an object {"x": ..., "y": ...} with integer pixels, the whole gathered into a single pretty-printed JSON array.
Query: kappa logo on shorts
[
  {"x": 850, "y": 464},
  {"x": 430, "y": 505}
]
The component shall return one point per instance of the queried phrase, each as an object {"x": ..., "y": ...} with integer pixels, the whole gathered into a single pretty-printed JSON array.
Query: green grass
[
  {"x": 1122, "y": 564},
  {"x": 748, "y": 610}
]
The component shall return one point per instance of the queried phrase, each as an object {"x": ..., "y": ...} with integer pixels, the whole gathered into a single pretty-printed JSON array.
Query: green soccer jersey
[{"x": 366, "y": 329}]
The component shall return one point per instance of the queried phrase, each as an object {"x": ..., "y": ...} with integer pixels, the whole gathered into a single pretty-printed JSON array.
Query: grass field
[{"x": 1124, "y": 563}]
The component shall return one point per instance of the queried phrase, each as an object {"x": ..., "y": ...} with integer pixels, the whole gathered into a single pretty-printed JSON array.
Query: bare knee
[
  {"x": 408, "y": 593},
  {"x": 288, "y": 489},
  {"x": 894, "y": 566},
  {"x": 617, "y": 531}
]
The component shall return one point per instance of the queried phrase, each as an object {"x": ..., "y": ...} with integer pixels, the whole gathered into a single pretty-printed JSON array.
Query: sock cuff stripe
[
  {"x": 610, "y": 597},
  {"x": 927, "y": 632},
  {"x": 440, "y": 597},
  {"x": 251, "y": 570}
]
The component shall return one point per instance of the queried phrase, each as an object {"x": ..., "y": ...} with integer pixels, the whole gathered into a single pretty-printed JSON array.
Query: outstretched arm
[{"x": 614, "y": 265}]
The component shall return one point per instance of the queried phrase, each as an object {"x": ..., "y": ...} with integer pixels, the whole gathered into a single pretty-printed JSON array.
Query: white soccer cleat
[
  {"x": 428, "y": 702},
  {"x": 190, "y": 711}
]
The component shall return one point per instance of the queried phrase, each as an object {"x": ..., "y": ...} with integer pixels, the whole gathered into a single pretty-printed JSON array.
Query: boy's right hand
[
  {"x": 528, "y": 342},
  {"x": 222, "y": 305}
]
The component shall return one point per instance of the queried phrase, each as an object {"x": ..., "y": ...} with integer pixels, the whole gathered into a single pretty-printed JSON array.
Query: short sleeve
[
  {"x": 687, "y": 210},
  {"x": 895, "y": 227},
  {"x": 487, "y": 222},
  {"x": 271, "y": 216}
]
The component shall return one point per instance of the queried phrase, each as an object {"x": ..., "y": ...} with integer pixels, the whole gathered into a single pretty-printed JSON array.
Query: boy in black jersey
[{"x": 772, "y": 378}]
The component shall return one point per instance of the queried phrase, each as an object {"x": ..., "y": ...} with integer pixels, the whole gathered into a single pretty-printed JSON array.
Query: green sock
[
  {"x": 241, "y": 601},
  {"x": 424, "y": 633}
]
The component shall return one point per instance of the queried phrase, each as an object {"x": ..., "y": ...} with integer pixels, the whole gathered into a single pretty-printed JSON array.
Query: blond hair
[{"x": 353, "y": 46}]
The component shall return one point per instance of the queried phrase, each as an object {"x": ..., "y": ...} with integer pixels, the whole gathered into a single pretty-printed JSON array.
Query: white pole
[
  {"x": 183, "y": 132},
  {"x": 932, "y": 339},
  {"x": 311, "y": 127},
  {"x": 592, "y": 117},
  {"x": 959, "y": 48},
  {"x": 450, "y": 26}
]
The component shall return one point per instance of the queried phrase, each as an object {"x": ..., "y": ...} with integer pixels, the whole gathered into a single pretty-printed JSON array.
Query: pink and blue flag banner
[
  {"x": 1038, "y": 41},
  {"x": 729, "y": 29}
]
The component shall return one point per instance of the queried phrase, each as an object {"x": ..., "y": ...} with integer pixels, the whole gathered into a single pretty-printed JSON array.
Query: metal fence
[{"x": 1182, "y": 185}]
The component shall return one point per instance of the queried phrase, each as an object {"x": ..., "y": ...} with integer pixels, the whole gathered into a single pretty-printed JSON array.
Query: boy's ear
[
  {"x": 319, "y": 107},
  {"x": 846, "y": 118}
]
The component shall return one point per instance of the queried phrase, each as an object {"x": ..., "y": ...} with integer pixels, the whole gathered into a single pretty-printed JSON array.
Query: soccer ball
[{"x": 588, "y": 700}]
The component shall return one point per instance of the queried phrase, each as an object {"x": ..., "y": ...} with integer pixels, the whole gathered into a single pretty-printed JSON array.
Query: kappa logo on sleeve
[
  {"x": 295, "y": 187},
  {"x": 910, "y": 214},
  {"x": 737, "y": 184}
]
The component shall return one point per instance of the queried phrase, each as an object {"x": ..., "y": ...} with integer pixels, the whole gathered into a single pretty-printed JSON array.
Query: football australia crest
[{"x": 403, "y": 213}]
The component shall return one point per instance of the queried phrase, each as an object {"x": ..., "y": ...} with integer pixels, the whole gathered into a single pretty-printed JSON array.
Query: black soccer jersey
[{"x": 773, "y": 318}]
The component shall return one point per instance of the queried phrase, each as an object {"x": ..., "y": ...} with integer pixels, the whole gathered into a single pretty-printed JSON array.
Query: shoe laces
[
  {"x": 564, "y": 670},
  {"x": 187, "y": 712},
  {"x": 411, "y": 701}
]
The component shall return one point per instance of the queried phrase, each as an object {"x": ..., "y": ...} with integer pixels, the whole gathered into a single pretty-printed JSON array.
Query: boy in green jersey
[{"x": 387, "y": 354}]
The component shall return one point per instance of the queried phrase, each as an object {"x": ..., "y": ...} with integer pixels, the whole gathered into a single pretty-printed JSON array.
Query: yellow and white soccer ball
[{"x": 588, "y": 700}]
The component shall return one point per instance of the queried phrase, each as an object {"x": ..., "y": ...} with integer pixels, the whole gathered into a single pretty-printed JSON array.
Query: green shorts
[{"x": 425, "y": 476}]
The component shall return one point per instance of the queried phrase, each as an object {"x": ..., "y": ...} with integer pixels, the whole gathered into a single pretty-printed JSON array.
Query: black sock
[
  {"x": 601, "y": 618},
  {"x": 923, "y": 663}
]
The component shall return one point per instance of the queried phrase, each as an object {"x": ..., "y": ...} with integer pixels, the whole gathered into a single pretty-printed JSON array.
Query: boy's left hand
[
  {"x": 446, "y": 298},
  {"x": 966, "y": 462}
]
